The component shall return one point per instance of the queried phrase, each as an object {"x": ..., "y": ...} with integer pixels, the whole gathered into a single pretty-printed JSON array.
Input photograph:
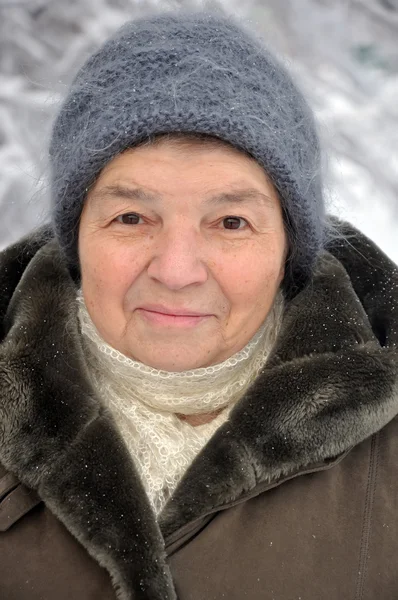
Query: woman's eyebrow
[
  {"x": 121, "y": 191},
  {"x": 241, "y": 196},
  {"x": 238, "y": 196}
]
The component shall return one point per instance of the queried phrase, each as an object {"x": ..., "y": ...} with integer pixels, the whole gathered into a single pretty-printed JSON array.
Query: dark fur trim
[
  {"x": 58, "y": 439},
  {"x": 331, "y": 382},
  {"x": 374, "y": 278},
  {"x": 13, "y": 262}
]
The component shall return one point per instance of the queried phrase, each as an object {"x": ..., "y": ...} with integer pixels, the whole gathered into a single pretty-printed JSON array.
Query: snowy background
[{"x": 343, "y": 53}]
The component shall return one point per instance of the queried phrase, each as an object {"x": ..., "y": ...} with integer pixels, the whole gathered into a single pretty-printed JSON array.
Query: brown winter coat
[{"x": 296, "y": 496}]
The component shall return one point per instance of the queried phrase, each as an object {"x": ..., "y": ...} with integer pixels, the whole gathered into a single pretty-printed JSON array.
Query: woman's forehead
[{"x": 156, "y": 167}]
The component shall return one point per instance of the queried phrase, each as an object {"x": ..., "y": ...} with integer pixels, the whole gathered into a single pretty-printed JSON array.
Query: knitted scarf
[{"x": 145, "y": 402}]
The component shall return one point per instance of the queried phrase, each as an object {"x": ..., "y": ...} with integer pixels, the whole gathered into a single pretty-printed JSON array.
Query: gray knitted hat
[{"x": 188, "y": 72}]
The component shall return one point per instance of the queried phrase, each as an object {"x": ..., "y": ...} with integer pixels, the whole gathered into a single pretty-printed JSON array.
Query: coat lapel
[
  {"x": 59, "y": 440},
  {"x": 331, "y": 382}
]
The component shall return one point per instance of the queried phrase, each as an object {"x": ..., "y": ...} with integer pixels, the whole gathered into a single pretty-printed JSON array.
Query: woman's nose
[{"x": 177, "y": 259}]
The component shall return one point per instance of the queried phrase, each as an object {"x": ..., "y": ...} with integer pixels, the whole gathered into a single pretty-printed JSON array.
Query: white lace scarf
[{"x": 144, "y": 401}]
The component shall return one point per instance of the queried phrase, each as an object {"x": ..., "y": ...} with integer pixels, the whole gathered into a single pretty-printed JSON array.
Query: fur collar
[{"x": 331, "y": 382}]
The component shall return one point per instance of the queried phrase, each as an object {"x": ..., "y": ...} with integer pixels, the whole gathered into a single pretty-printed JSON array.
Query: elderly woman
[{"x": 198, "y": 367}]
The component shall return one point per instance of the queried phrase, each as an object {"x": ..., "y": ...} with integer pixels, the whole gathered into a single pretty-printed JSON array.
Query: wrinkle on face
[{"x": 180, "y": 253}]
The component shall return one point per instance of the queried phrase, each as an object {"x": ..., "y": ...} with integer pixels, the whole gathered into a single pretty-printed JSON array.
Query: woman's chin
[{"x": 176, "y": 359}]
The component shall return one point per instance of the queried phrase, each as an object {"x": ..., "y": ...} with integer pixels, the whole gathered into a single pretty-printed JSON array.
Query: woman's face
[{"x": 184, "y": 231}]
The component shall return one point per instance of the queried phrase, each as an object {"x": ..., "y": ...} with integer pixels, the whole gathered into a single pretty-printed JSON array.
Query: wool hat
[{"x": 189, "y": 71}]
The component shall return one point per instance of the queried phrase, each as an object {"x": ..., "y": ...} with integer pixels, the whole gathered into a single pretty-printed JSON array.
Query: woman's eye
[
  {"x": 128, "y": 219},
  {"x": 233, "y": 222},
  {"x": 230, "y": 223}
]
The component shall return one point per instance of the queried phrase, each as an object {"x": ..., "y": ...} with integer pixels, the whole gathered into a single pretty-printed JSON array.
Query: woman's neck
[{"x": 196, "y": 420}]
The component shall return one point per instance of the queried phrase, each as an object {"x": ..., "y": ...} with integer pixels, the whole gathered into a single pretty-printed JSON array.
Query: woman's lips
[{"x": 157, "y": 318}]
